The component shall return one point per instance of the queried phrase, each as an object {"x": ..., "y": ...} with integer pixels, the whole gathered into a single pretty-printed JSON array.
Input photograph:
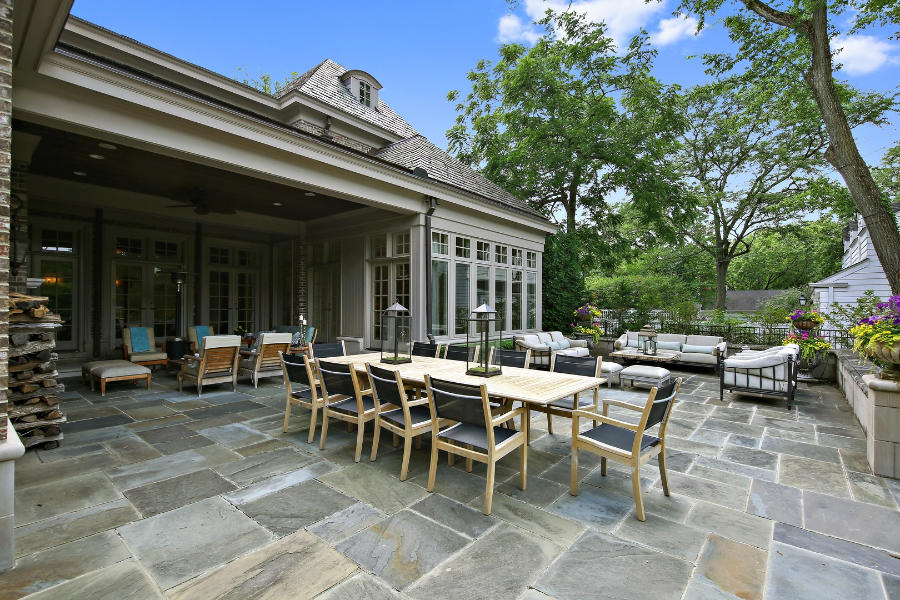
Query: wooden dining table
[{"x": 529, "y": 386}]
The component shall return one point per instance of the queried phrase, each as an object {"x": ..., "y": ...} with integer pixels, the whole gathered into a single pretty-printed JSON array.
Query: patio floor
[{"x": 160, "y": 494}]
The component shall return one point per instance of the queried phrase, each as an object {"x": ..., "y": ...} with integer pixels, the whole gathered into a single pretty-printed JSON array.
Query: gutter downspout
[{"x": 432, "y": 205}]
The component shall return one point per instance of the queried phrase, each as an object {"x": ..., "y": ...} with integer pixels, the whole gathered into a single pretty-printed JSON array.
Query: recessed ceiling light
[
  {"x": 108, "y": 146},
  {"x": 277, "y": 204},
  {"x": 97, "y": 156},
  {"x": 79, "y": 173},
  {"x": 310, "y": 194}
]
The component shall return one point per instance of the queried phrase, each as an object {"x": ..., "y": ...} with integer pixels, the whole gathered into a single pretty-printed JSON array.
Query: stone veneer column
[{"x": 883, "y": 429}]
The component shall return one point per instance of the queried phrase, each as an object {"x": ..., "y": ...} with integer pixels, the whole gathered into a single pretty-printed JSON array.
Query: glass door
[
  {"x": 59, "y": 286},
  {"x": 232, "y": 301},
  {"x": 144, "y": 297}
]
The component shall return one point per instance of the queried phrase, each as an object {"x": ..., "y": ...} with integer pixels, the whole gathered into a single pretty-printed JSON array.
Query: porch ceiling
[{"x": 66, "y": 155}]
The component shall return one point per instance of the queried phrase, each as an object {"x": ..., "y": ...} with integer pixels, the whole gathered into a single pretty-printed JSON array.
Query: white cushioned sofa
[
  {"x": 544, "y": 344},
  {"x": 689, "y": 349},
  {"x": 771, "y": 372}
]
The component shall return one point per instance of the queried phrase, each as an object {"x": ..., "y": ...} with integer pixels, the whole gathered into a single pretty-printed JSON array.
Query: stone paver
[{"x": 759, "y": 495}]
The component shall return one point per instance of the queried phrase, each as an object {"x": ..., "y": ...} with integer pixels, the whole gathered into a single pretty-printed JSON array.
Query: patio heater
[
  {"x": 479, "y": 325},
  {"x": 395, "y": 322},
  {"x": 647, "y": 340}
]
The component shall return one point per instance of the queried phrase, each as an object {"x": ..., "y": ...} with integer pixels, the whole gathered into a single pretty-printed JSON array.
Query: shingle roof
[
  {"x": 323, "y": 83},
  {"x": 417, "y": 151}
]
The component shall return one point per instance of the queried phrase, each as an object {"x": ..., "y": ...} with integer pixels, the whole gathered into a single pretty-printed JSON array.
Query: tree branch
[{"x": 776, "y": 16}]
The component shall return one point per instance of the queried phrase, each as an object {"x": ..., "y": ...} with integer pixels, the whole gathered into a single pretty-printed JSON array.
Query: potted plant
[
  {"x": 587, "y": 323},
  {"x": 806, "y": 320},
  {"x": 812, "y": 352},
  {"x": 877, "y": 337}
]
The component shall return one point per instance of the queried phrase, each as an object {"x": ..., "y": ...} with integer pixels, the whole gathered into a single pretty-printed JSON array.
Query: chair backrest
[
  {"x": 328, "y": 350},
  {"x": 425, "y": 349},
  {"x": 219, "y": 353},
  {"x": 298, "y": 370},
  {"x": 138, "y": 339},
  {"x": 510, "y": 358},
  {"x": 311, "y": 333},
  {"x": 269, "y": 349},
  {"x": 462, "y": 353},
  {"x": 387, "y": 388},
  {"x": 657, "y": 410},
  {"x": 586, "y": 366},
  {"x": 337, "y": 379},
  {"x": 458, "y": 402},
  {"x": 196, "y": 333}
]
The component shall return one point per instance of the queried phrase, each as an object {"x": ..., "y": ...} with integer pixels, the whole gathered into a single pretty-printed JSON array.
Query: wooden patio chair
[
  {"x": 627, "y": 443},
  {"x": 586, "y": 366},
  {"x": 477, "y": 434},
  {"x": 218, "y": 362},
  {"x": 411, "y": 420},
  {"x": 426, "y": 349},
  {"x": 462, "y": 353},
  {"x": 265, "y": 360},
  {"x": 196, "y": 334},
  {"x": 301, "y": 388},
  {"x": 328, "y": 350},
  {"x": 344, "y": 400},
  {"x": 139, "y": 346},
  {"x": 507, "y": 358}
]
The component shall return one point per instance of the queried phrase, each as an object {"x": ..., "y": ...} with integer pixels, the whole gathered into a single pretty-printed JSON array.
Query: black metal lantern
[
  {"x": 647, "y": 340},
  {"x": 802, "y": 299},
  {"x": 395, "y": 321},
  {"x": 479, "y": 325}
]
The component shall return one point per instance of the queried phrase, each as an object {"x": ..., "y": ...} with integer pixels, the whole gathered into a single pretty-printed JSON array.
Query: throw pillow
[
  {"x": 554, "y": 345},
  {"x": 632, "y": 343},
  {"x": 564, "y": 343},
  {"x": 668, "y": 346},
  {"x": 140, "y": 340},
  {"x": 698, "y": 349},
  {"x": 295, "y": 339}
]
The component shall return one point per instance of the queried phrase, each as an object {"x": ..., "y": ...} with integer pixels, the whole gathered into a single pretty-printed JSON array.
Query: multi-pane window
[
  {"x": 379, "y": 247},
  {"x": 516, "y": 257},
  {"x": 165, "y": 250},
  {"x": 128, "y": 246},
  {"x": 482, "y": 285},
  {"x": 531, "y": 300},
  {"x": 365, "y": 93},
  {"x": 401, "y": 244},
  {"x": 463, "y": 247},
  {"x": 440, "y": 243},
  {"x": 501, "y": 254},
  {"x": 56, "y": 240},
  {"x": 380, "y": 298},
  {"x": 462, "y": 297},
  {"x": 500, "y": 295},
  {"x": 531, "y": 260},
  {"x": 246, "y": 258},
  {"x": 440, "y": 294},
  {"x": 516, "y": 300},
  {"x": 219, "y": 256},
  {"x": 483, "y": 251}
]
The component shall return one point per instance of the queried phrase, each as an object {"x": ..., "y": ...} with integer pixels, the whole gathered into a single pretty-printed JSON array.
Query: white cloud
[
  {"x": 674, "y": 29},
  {"x": 511, "y": 29},
  {"x": 862, "y": 54},
  {"x": 623, "y": 18}
]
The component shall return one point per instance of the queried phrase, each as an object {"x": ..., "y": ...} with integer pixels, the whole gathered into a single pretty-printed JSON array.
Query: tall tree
[
  {"x": 785, "y": 42},
  {"x": 568, "y": 121},
  {"x": 748, "y": 160}
]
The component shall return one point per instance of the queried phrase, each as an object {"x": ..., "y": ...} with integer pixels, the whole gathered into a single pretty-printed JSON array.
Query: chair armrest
[
  {"x": 621, "y": 341},
  {"x": 586, "y": 414},
  {"x": 756, "y": 362},
  {"x": 720, "y": 349},
  {"x": 620, "y": 403},
  {"x": 503, "y": 418}
]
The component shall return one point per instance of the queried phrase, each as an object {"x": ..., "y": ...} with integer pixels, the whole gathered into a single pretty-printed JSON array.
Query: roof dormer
[{"x": 363, "y": 86}]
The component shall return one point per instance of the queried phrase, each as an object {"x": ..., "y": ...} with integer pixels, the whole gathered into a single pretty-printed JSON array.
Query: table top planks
[{"x": 525, "y": 385}]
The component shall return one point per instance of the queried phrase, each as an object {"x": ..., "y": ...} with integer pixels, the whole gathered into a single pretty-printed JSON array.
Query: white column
[{"x": 10, "y": 449}]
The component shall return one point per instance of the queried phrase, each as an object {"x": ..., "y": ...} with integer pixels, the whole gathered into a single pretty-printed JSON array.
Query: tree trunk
[
  {"x": 721, "y": 288},
  {"x": 571, "y": 207},
  {"x": 843, "y": 154}
]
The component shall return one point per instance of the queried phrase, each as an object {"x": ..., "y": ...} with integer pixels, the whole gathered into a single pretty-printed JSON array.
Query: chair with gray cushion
[
  {"x": 585, "y": 366},
  {"x": 139, "y": 347},
  {"x": 344, "y": 400},
  {"x": 265, "y": 358},
  {"x": 462, "y": 353},
  {"x": 425, "y": 349},
  {"x": 328, "y": 350},
  {"x": 301, "y": 388},
  {"x": 477, "y": 434},
  {"x": 510, "y": 358},
  {"x": 627, "y": 443},
  {"x": 217, "y": 363}
]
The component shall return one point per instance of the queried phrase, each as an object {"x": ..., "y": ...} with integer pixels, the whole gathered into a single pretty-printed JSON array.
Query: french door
[
  {"x": 390, "y": 283},
  {"x": 233, "y": 300},
  {"x": 144, "y": 297},
  {"x": 59, "y": 286}
]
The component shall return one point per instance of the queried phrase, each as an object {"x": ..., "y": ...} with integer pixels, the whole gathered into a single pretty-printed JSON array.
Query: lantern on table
[
  {"x": 477, "y": 334},
  {"x": 647, "y": 340},
  {"x": 395, "y": 322}
]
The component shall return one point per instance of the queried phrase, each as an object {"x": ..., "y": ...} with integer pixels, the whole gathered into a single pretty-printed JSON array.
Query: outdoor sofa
[
  {"x": 688, "y": 349},
  {"x": 771, "y": 372},
  {"x": 544, "y": 344}
]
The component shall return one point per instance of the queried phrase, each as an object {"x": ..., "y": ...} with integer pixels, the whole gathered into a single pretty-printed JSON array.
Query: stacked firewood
[{"x": 33, "y": 388}]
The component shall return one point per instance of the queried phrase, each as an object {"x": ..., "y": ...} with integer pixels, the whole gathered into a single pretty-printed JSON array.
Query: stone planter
[
  {"x": 815, "y": 368},
  {"x": 888, "y": 355}
]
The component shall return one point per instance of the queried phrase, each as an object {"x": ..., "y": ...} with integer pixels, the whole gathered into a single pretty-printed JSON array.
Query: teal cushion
[
  {"x": 310, "y": 334},
  {"x": 698, "y": 349},
  {"x": 554, "y": 345},
  {"x": 202, "y": 331},
  {"x": 563, "y": 344},
  {"x": 668, "y": 345},
  {"x": 140, "y": 339},
  {"x": 632, "y": 343}
]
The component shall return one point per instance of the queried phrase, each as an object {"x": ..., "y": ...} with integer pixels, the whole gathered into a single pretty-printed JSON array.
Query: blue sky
[{"x": 421, "y": 50}]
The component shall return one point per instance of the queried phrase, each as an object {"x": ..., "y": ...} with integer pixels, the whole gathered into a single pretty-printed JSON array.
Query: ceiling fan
[{"x": 195, "y": 198}]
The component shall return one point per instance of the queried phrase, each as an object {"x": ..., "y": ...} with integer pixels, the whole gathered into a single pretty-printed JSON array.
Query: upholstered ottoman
[
  {"x": 611, "y": 369},
  {"x": 117, "y": 370},
  {"x": 645, "y": 374}
]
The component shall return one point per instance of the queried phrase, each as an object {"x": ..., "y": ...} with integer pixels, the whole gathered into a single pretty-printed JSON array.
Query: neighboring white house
[{"x": 860, "y": 269}]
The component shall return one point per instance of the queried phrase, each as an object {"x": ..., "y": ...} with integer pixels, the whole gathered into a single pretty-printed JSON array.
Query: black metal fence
[{"x": 733, "y": 334}]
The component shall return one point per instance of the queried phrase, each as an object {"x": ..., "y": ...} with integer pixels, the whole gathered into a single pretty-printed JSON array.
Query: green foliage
[
  {"x": 265, "y": 82},
  {"x": 721, "y": 317},
  {"x": 887, "y": 174},
  {"x": 562, "y": 281},
  {"x": 847, "y": 316},
  {"x": 774, "y": 311}
]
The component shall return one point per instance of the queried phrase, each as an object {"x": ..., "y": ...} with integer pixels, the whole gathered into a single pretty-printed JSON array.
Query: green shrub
[{"x": 562, "y": 283}]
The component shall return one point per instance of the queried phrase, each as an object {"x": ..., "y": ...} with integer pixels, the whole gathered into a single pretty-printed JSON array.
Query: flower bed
[{"x": 877, "y": 337}]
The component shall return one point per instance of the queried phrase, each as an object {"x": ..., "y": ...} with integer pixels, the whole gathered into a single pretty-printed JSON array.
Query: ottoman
[
  {"x": 117, "y": 370},
  {"x": 611, "y": 369},
  {"x": 645, "y": 374}
]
